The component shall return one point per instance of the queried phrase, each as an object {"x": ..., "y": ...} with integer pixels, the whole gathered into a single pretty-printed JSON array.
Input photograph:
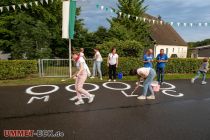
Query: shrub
[
  {"x": 127, "y": 48},
  {"x": 14, "y": 69},
  {"x": 176, "y": 65}
]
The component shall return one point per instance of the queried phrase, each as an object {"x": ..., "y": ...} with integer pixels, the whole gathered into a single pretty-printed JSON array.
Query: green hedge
[
  {"x": 14, "y": 69},
  {"x": 182, "y": 66}
]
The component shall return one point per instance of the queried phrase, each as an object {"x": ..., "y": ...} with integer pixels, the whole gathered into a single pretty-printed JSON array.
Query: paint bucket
[
  {"x": 120, "y": 75},
  {"x": 155, "y": 86}
]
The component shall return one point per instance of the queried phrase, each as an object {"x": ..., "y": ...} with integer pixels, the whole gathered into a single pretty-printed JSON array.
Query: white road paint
[
  {"x": 96, "y": 87},
  {"x": 46, "y": 99},
  {"x": 106, "y": 86},
  {"x": 177, "y": 96},
  {"x": 29, "y": 90},
  {"x": 127, "y": 95}
]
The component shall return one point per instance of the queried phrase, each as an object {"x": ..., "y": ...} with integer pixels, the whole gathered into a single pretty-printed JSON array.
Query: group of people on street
[{"x": 147, "y": 73}]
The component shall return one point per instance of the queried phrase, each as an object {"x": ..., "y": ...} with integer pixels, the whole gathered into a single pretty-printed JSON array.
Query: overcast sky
[{"x": 170, "y": 10}]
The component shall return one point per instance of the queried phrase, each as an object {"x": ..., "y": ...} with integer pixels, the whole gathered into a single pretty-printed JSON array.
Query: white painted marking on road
[
  {"x": 29, "y": 90},
  {"x": 96, "y": 87},
  {"x": 106, "y": 86},
  {"x": 178, "y": 96}
]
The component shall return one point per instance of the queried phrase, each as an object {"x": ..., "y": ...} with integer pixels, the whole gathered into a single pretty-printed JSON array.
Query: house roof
[{"x": 165, "y": 34}]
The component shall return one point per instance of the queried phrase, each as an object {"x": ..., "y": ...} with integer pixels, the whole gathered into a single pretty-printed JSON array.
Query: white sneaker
[
  {"x": 92, "y": 77},
  {"x": 152, "y": 97},
  {"x": 204, "y": 83},
  {"x": 80, "y": 102},
  {"x": 192, "y": 80},
  {"x": 114, "y": 80},
  {"x": 109, "y": 80},
  {"x": 141, "y": 97},
  {"x": 91, "y": 98},
  {"x": 74, "y": 98}
]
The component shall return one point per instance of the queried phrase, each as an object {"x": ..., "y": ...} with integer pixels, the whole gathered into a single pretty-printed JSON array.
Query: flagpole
[{"x": 70, "y": 62}]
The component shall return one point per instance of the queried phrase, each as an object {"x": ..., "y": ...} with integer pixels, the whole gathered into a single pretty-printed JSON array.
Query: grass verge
[{"x": 38, "y": 81}]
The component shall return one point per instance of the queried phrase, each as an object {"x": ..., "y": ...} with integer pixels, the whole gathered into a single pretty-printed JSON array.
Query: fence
[{"x": 58, "y": 67}]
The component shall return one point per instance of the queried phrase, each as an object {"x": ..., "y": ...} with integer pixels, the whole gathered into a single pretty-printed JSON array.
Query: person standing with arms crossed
[
  {"x": 112, "y": 63},
  {"x": 162, "y": 59},
  {"x": 148, "y": 59}
]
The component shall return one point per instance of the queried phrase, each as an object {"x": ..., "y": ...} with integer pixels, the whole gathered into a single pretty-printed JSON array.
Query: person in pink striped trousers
[{"x": 80, "y": 77}]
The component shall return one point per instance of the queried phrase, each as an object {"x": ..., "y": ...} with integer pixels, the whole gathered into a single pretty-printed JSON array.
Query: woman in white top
[
  {"x": 112, "y": 63},
  {"x": 148, "y": 74},
  {"x": 80, "y": 77},
  {"x": 81, "y": 53},
  {"x": 97, "y": 63}
]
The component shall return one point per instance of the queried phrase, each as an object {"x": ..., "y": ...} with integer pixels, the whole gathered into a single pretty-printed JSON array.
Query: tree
[{"x": 131, "y": 28}]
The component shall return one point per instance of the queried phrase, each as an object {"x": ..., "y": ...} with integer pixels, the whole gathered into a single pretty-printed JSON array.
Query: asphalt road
[{"x": 181, "y": 111}]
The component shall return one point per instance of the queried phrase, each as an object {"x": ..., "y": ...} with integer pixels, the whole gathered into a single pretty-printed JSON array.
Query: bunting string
[
  {"x": 152, "y": 20},
  {"x": 25, "y": 5}
]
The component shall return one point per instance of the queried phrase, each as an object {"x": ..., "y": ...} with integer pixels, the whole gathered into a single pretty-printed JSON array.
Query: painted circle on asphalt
[
  {"x": 179, "y": 94},
  {"x": 169, "y": 88},
  {"x": 68, "y": 88},
  {"x": 29, "y": 90},
  {"x": 106, "y": 86}
]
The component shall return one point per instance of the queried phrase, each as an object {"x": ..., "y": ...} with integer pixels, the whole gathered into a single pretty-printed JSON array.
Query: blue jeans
[
  {"x": 148, "y": 82},
  {"x": 160, "y": 74},
  {"x": 97, "y": 65},
  {"x": 198, "y": 75}
]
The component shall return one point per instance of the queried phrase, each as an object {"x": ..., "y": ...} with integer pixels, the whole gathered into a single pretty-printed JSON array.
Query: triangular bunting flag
[
  {"x": 30, "y": 3},
  {"x": 172, "y": 23},
  {"x": 46, "y": 1},
  {"x": 144, "y": 19},
  {"x": 153, "y": 21},
  {"x": 1, "y": 9},
  {"x": 36, "y": 2},
  {"x": 120, "y": 13},
  {"x": 137, "y": 18},
  {"x": 129, "y": 16},
  {"x": 102, "y": 7},
  {"x": 200, "y": 24},
  {"x": 161, "y": 22},
  {"x": 13, "y": 6},
  {"x": 52, "y": 1},
  {"x": 19, "y": 5},
  {"x": 191, "y": 24},
  {"x": 206, "y": 24},
  {"x": 7, "y": 8},
  {"x": 25, "y": 5},
  {"x": 41, "y": 1},
  {"x": 178, "y": 23},
  {"x": 185, "y": 24}
]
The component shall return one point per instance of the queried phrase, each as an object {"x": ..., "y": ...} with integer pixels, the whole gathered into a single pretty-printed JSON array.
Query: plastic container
[
  {"x": 155, "y": 86},
  {"x": 120, "y": 76}
]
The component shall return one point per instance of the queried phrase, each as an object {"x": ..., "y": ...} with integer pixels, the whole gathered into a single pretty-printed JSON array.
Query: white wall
[{"x": 180, "y": 51}]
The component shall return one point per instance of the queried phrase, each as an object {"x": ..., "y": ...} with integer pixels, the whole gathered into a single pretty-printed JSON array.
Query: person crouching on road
[
  {"x": 148, "y": 74},
  {"x": 80, "y": 77},
  {"x": 203, "y": 70}
]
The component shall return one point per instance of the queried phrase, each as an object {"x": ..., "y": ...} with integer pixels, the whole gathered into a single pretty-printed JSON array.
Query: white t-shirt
[
  {"x": 81, "y": 54},
  {"x": 81, "y": 61},
  {"x": 98, "y": 57},
  {"x": 143, "y": 71},
  {"x": 113, "y": 58}
]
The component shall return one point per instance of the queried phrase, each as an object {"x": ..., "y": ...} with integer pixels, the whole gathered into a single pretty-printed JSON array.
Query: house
[
  {"x": 200, "y": 52},
  {"x": 165, "y": 37},
  {"x": 4, "y": 56}
]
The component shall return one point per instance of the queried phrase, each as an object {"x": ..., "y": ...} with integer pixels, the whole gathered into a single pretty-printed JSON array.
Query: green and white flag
[{"x": 69, "y": 15}]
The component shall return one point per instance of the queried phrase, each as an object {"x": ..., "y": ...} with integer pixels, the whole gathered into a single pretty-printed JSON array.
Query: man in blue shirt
[
  {"x": 148, "y": 59},
  {"x": 162, "y": 59}
]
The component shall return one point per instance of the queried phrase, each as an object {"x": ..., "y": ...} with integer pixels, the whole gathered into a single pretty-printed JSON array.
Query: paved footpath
[{"x": 181, "y": 111}]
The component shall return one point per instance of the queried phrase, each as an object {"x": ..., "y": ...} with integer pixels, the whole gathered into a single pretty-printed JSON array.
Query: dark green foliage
[{"x": 14, "y": 69}]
